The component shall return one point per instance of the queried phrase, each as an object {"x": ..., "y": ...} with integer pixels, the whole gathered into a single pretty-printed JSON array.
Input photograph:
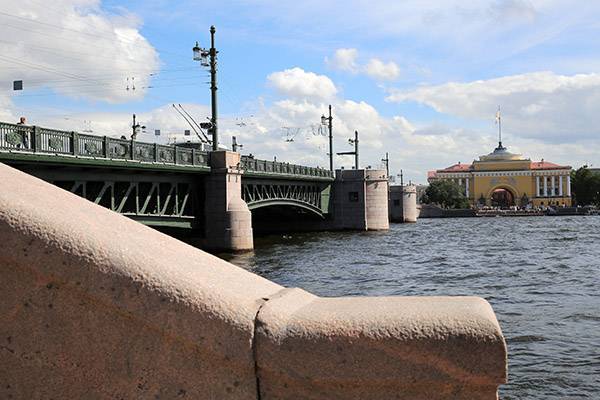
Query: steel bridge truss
[
  {"x": 310, "y": 196},
  {"x": 156, "y": 202}
]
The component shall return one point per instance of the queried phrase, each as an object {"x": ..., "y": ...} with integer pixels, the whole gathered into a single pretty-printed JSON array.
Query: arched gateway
[{"x": 503, "y": 198}]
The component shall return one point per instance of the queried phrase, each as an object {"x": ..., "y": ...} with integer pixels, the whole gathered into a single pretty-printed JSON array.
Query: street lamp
[
  {"x": 328, "y": 121},
  {"x": 386, "y": 161},
  {"x": 352, "y": 153},
  {"x": 136, "y": 128},
  {"x": 203, "y": 55}
]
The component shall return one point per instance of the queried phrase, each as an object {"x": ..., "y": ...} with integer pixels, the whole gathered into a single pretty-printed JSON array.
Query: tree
[
  {"x": 585, "y": 187},
  {"x": 446, "y": 194}
]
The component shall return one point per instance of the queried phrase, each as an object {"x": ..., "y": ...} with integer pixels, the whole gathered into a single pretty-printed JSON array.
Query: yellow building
[{"x": 504, "y": 179}]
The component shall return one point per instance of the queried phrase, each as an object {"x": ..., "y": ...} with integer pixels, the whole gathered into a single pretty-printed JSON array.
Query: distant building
[{"x": 504, "y": 179}]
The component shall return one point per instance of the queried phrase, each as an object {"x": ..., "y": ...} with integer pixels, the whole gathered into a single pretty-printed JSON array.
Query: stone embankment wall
[
  {"x": 96, "y": 306},
  {"x": 431, "y": 211}
]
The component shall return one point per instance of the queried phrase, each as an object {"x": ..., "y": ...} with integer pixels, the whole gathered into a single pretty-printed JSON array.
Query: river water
[{"x": 541, "y": 275}]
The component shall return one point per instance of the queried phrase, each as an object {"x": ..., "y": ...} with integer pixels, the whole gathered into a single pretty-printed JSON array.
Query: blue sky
[{"x": 419, "y": 79}]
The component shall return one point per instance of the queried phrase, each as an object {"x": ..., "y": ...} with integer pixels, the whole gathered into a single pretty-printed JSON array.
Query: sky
[{"x": 420, "y": 80}]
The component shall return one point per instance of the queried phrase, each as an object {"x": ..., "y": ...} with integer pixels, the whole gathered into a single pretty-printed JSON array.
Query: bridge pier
[
  {"x": 360, "y": 200},
  {"x": 228, "y": 221},
  {"x": 403, "y": 204}
]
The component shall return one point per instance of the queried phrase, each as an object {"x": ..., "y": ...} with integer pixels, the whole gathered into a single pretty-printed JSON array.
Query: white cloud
[
  {"x": 299, "y": 84},
  {"x": 380, "y": 70},
  {"x": 344, "y": 60},
  {"x": 542, "y": 105},
  {"x": 347, "y": 60},
  {"x": 74, "y": 48}
]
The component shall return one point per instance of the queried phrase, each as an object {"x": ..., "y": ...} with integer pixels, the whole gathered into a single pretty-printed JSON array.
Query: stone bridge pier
[
  {"x": 361, "y": 200},
  {"x": 228, "y": 221}
]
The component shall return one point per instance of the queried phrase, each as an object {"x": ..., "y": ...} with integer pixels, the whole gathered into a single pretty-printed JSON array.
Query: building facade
[{"x": 505, "y": 179}]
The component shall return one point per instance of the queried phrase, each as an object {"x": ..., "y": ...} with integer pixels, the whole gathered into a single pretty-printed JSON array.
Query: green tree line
[
  {"x": 446, "y": 194},
  {"x": 585, "y": 187}
]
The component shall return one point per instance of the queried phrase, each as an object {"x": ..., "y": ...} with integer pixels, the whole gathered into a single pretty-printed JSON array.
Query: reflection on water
[{"x": 541, "y": 275}]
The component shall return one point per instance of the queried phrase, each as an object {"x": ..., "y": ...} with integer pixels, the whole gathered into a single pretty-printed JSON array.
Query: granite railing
[{"x": 95, "y": 305}]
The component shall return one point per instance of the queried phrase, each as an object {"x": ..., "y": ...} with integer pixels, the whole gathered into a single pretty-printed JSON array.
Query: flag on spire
[{"x": 499, "y": 123}]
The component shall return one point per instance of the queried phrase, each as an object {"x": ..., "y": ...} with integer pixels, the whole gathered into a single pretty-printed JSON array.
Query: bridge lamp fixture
[{"x": 201, "y": 55}]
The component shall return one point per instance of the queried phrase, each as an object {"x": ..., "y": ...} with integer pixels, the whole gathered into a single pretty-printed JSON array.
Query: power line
[{"x": 64, "y": 28}]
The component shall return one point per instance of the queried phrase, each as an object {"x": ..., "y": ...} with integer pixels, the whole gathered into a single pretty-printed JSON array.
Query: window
[
  {"x": 396, "y": 202},
  {"x": 353, "y": 197}
]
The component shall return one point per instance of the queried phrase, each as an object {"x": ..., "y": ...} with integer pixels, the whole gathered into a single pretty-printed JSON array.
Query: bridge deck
[{"x": 33, "y": 144}]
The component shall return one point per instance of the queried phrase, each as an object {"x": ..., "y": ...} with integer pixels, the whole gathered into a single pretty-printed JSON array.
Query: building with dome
[{"x": 504, "y": 179}]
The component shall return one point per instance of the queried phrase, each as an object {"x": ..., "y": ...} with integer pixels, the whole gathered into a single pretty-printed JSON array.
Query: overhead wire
[{"x": 96, "y": 79}]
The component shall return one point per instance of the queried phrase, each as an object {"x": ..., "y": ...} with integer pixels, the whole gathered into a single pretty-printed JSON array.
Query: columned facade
[{"x": 505, "y": 179}]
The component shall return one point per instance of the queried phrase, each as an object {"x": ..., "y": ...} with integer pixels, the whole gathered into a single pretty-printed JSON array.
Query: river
[{"x": 541, "y": 275}]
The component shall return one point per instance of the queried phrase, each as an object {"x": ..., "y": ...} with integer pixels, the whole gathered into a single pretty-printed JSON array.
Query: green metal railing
[
  {"x": 35, "y": 139},
  {"x": 38, "y": 140},
  {"x": 250, "y": 164}
]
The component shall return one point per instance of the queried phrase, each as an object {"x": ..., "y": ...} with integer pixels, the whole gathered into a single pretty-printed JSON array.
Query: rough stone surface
[
  {"x": 378, "y": 348},
  {"x": 97, "y": 306}
]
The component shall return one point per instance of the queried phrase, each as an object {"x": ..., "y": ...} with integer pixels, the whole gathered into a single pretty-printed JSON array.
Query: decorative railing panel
[
  {"x": 201, "y": 158},
  {"x": 89, "y": 145},
  {"x": 165, "y": 154},
  {"x": 185, "y": 156},
  {"x": 53, "y": 141},
  {"x": 119, "y": 148},
  {"x": 15, "y": 137},
  {"x": 144, "y": 151}
]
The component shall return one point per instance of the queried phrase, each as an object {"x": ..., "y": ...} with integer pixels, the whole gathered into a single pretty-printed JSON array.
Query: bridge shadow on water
[
  {"x": 285, "y": 219},
  {"x": 266, "y": 221}
]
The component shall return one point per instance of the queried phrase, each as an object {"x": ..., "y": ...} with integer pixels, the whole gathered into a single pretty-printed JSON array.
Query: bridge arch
[{"x": 286, "y": 203}]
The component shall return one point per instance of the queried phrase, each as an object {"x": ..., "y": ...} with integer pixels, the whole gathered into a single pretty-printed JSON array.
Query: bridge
[{"x": 178, "y": 186}]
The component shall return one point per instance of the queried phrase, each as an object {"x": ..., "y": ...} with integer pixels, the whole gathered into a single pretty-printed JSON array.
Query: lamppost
[
  {"x": 352, "y": 153},
  {"x": 135, "y": 129},
  {"x": 328, "y": 121},
  {"x": 201, "y": 54},
  {"x": 386, "y": 161}
]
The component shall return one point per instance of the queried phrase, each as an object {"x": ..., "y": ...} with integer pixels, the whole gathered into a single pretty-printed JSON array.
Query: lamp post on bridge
[
  {"x": 202, "y": 55},
  {"x": 386, "y": 161},
  {"x": 328, "y": 121},
  {"x": 352, "y": 153}
]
